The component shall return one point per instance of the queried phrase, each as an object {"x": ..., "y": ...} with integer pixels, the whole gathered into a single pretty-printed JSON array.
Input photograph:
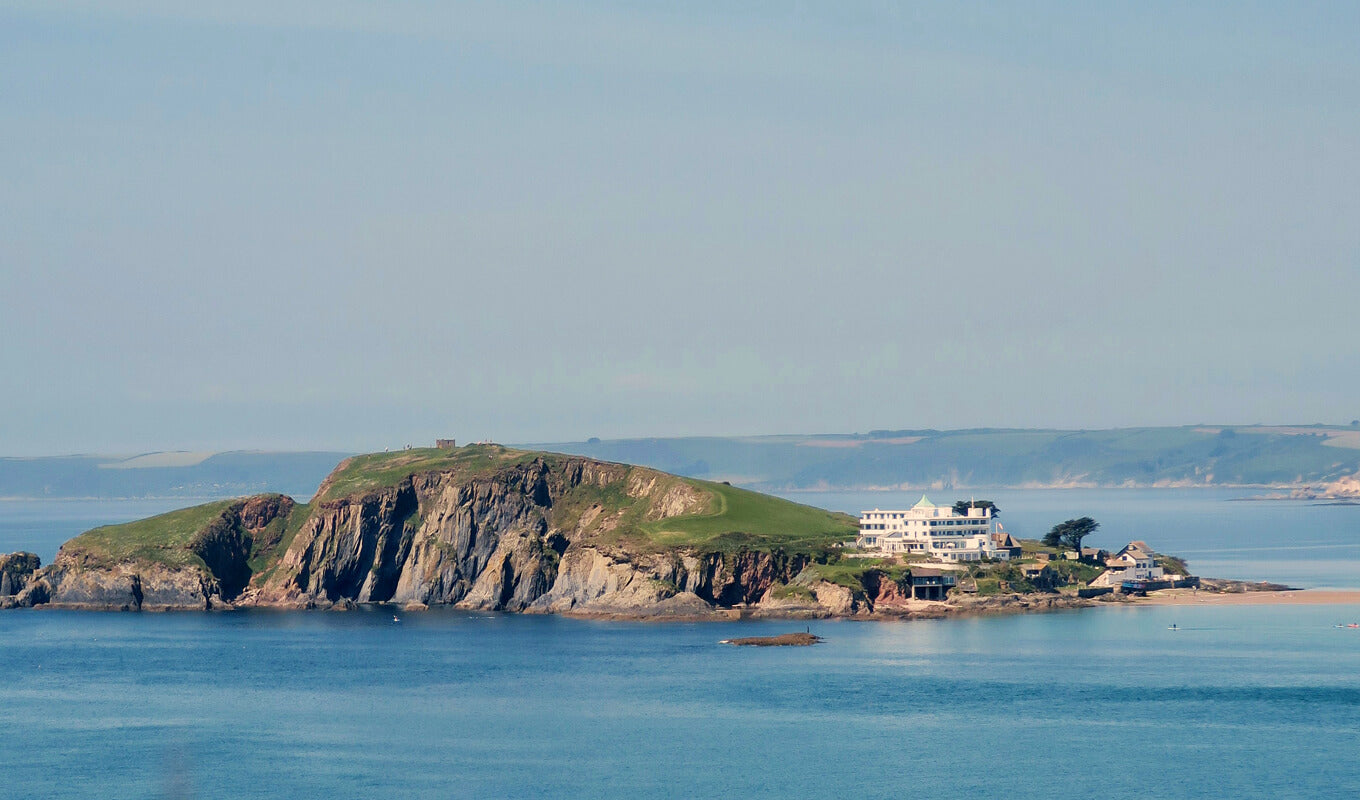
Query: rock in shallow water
[{"x": 782, "y": 640}]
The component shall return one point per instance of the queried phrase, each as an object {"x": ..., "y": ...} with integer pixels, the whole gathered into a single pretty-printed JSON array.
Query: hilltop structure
[{"x": 931, "y": 530}]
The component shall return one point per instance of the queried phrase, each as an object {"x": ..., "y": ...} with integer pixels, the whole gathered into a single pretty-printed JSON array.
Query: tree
[
  {"x": 962, "y": 506},
  {"x": 1070, "y": 533}
]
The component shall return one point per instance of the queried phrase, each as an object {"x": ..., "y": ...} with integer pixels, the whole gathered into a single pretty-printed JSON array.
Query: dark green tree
[
  {"x": 962, "y": 506},
  {"x": 1070, "y": 533}
]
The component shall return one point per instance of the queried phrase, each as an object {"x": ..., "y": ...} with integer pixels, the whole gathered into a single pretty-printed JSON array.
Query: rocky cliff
[{"x": 547, "y": 535}]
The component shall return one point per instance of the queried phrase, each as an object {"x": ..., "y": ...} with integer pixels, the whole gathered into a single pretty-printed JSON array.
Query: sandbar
[{"x": 1300, "y": 597}]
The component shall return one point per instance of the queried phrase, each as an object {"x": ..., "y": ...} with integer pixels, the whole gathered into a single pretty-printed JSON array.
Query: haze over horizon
[{"x": 331, "y": 226}]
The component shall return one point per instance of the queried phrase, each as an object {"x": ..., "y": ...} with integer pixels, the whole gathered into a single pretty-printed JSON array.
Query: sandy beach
[{"x": 1304, "y": 597}]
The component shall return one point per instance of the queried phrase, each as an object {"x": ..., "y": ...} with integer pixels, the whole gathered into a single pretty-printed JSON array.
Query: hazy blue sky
[{"x": 347, "y": 226}]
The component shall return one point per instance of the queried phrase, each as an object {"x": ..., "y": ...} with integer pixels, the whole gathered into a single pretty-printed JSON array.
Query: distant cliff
[
  {"x": 165, "y": 475},
  {"x": 1191, "y": 456}
]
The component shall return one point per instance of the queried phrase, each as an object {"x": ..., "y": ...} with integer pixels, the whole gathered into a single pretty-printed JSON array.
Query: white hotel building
[{"x": 931, "y": 530}]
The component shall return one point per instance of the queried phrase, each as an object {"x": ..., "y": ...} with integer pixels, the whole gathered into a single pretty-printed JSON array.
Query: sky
[{"x": 341, "y": 225}]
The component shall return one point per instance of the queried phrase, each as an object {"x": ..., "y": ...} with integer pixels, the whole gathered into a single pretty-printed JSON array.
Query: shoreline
[
  {"x": 907, "y": 612},
  {"x": 1291, "y": 597}
]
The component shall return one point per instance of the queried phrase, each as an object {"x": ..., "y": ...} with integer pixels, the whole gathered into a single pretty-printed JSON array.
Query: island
[{"x": 487, "y": 527}]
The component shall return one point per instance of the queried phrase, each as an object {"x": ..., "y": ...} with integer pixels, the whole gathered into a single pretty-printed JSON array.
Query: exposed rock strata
[
  {"x": 505, "y": 542},
  {"x": 135, "y": 587}
]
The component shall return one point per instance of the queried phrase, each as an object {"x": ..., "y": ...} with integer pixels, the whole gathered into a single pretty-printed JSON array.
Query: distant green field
[{"x": 187, "y": 475}]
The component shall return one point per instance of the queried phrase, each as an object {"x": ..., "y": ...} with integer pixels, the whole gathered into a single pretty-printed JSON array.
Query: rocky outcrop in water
[
  {"x": 133, "y": 587},
  {"x": 16, "y": 573}
]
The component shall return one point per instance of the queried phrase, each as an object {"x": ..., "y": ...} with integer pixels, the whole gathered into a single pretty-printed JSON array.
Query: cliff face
[
  {"x": 522, "y": 539},
  {"x": 127, "y": 587}
]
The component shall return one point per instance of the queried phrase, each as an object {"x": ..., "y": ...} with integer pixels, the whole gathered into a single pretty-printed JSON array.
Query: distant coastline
[
  {"x": 932, "y": 487},
  {"x": 1263, "y": 458},
  {"x": 1020, "y": 487}
]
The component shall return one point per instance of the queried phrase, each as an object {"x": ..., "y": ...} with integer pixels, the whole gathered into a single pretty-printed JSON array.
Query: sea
[{"x": 1145, "y": 702}]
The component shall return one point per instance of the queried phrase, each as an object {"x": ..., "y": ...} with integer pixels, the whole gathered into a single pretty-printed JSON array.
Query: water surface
[
  {"x": 1237, "y": 702},
  {"x": 1240, "y": 702}
]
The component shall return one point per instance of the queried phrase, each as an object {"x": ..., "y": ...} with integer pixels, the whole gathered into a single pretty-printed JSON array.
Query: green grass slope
[
  {"x": 163, "y": 539},
  {"x": 741, "y": 518},
  {"x": 170, "y": 538}
]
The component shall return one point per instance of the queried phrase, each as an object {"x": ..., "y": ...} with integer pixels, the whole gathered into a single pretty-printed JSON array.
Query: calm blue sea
[
  {"x": 1240, "y": 702},
  {"x": 1249, "y": 702}
]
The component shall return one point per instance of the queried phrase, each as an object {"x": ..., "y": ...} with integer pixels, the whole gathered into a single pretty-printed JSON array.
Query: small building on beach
[
  {"x": 930, "y": 584},
  {"x": 1136, "y": 562}
]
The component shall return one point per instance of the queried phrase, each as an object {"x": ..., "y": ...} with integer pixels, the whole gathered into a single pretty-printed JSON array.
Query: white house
[
  {"x": 928, "y": 529},
  {"x": 1134, "y": 563}
]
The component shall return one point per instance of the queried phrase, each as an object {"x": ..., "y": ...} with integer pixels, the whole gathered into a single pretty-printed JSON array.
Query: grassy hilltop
[
  {"x": 731, "y": 517},
  {"x": 177, "y": 538}
]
